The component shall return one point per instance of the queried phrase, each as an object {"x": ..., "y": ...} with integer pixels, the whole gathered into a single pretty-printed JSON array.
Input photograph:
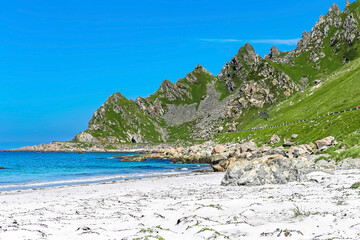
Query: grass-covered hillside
[
  {"x": 340, "y": 91},
  {"x": 329, "y": 55},
  {"x": 250, "y": 91}
]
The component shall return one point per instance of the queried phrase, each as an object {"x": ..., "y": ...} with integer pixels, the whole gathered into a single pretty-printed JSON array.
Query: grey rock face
[
  {"x": 350, "y": 28},
  {"x": 209, "y": 110},
  {"x": 177, "y": 115},
  {"x": 153, "y": 109},
  {"x": 173, "y": 91},
  {"x": 303, "y": 43}
]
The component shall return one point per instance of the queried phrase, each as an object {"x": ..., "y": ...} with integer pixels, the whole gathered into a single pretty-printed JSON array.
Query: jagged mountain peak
[
  {"x": 249, "y": 47},
  {"x": 201, "y": 68},
  {"x": 166, "y": 84},
  {"x": 246, "y": 50},
  {"x": 337, "y": 30},
  {"x": 274, "y": 52},
  {"x": 198, "y": 104},
  {"x": 248, "y": 55},
  {"x": 334, "y": 9},
  {"x": 117, "y": 95}
]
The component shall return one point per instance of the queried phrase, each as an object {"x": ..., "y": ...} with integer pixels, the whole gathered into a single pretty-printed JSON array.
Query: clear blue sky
[{"x": 60, "y": 60}]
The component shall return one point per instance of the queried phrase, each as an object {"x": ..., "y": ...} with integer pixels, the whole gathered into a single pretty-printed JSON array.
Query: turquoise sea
[{"x": 35, "y": 170}]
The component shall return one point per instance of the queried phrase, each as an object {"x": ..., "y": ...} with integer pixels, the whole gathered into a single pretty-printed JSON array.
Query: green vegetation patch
[
  {"x": 122, "y": 116},
  {"x": 339, "y": 92}
]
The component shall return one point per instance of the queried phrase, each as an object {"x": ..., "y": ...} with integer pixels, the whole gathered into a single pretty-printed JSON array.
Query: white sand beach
[{"x": 186, "y": 207}]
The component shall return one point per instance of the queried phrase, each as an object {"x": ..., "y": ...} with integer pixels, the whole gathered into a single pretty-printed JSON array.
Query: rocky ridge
[{"x": 200, "y": 105}]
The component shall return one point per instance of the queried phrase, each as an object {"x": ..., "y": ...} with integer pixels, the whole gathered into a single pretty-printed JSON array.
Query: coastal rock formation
[{"x": 274, "y": 169}]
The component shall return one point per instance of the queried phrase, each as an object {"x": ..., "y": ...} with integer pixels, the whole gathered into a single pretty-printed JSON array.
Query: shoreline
[
  {"x": 87, "y": 147},
  {"x": 192, "y": 206},
  {"x": 79, "y": 152},
  {"x": 101, "y": 180},
  {"x": 94, "y": 184}
]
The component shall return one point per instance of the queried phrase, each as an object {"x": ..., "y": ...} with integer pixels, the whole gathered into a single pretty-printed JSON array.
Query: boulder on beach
[{"x": 274, "y": 169}]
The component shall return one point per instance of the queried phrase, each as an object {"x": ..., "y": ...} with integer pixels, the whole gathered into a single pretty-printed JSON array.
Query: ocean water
[{"x": 34, "y": 170}]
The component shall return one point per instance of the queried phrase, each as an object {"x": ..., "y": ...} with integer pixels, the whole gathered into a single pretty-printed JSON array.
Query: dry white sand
[{"x": 186, "y": 207}]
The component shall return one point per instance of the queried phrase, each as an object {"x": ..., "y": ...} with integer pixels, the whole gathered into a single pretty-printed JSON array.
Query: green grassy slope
[
  {"x": 340, "y": 91},
  {"x": 130, "y": 119}
]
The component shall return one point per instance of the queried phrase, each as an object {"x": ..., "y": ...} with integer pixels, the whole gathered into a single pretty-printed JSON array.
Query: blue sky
[{"x": 60, "y": 60}]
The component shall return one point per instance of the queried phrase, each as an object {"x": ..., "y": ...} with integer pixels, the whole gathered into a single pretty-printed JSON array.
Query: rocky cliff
[{"x": 200, "y": 105}]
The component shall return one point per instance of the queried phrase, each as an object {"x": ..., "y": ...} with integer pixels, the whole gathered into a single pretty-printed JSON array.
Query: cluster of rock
[
  {"x": 243, "y": 163},
  {"x": 281, "y": 165},
  {"x": 247, "y": 164}
]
